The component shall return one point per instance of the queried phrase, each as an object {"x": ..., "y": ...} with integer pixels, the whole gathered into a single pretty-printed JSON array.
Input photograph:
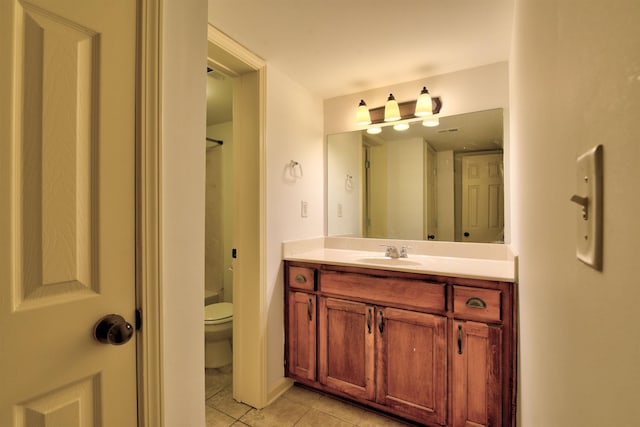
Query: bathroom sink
[{"x": 388, "y": 261}]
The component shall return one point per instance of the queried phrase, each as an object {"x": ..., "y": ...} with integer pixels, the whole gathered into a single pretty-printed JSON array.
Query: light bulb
[
  {"x": 431, "y": 121},
  {"x": 374, "y": 130},
  {"x": 401, "y": 126}
]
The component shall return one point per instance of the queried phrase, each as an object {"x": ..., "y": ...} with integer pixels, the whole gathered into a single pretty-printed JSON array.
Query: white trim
[
  {"x": 148, "y": 216},
  {"x": 250, "y": 316}
]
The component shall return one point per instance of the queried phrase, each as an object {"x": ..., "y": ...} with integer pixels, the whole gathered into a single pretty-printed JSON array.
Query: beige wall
[
  {"x": 294, "y": 132},
  {"x": 219, "y": 212},
  {"x": 184, "y": 47},
  {"x": 575, "y": 83}
]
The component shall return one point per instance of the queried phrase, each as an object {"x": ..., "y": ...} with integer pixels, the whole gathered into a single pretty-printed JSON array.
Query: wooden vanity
[{"x": 436, "y": 350}]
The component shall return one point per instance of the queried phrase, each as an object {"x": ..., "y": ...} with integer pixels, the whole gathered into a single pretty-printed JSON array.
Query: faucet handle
[
  {"x": 389, "y": 249},
  {"x": 404, "y": 251}
]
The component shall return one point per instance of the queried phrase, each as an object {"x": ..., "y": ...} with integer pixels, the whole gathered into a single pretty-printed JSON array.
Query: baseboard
[{"x": 278, "y": 389}]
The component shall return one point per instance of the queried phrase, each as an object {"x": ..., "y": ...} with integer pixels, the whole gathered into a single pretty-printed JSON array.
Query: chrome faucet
[{"x": 392, "y": 251}]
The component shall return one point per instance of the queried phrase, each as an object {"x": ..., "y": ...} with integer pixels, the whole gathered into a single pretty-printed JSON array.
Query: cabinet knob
[
  {"x": 459, "y": 339},
  {"x": 381, "y": 322},
  {"x": 301, "y": 279}
]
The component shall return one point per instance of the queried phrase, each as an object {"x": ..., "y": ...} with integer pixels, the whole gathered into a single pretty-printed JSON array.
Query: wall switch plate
[
  {"x": 339, "y": 210},
  {"x": 588, "y": 197},
  {"x": 303, "y": 208}
]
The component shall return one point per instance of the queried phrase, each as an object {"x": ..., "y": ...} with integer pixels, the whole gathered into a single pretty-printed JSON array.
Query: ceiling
[{"x": 338, "y": 47}]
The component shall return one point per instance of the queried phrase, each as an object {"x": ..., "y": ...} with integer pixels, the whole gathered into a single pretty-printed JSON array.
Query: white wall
[
  {"x": 446, "y": 214},
  {"x": 344, "y": 199},
  {"x": 294, "y": 132},
  {"x": 575, "y": 83},
  {"x": 405, "y": 189},
  {"x": 184, "y": 50}
]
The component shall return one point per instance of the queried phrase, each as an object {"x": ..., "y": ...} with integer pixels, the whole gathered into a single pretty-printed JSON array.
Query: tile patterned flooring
[{"x": 298, "y": 407}]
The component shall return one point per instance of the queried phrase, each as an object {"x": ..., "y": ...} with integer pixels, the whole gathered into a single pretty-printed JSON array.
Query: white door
[
  {"x": 67, "y": 211},
  {"x": 482, "y": 198}
]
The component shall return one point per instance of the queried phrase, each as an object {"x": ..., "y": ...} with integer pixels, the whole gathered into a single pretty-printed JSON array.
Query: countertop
[{"x": 478, "y": 261}]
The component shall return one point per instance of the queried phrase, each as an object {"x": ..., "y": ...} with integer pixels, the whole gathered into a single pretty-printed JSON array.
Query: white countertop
[{"x": 477, "y": 261}]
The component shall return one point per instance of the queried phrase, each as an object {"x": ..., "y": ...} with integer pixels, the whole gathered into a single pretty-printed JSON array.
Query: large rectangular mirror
[{"x": 425, "y": 183}]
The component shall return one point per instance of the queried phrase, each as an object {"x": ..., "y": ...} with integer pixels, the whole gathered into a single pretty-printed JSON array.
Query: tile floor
[{"x": 298, "y": 407}]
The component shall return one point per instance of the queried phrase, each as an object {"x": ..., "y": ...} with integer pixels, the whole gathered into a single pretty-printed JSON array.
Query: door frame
[
  {"x": 249, "y": 229},
  {"x": 148, "y": 214}
]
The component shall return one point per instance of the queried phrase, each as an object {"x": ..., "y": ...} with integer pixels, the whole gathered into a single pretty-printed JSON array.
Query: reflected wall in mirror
[{"x": 426, "y": 183}]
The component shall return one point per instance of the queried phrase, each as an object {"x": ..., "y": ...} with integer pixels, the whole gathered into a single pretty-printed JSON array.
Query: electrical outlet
[{"x": 304, "y": 205}]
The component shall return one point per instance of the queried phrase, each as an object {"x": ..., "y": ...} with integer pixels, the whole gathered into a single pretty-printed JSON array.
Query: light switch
[
  {"x": 339, "y": 210},
  {"x": 303, "y": 208},
  {"x": 588, "y": 197}
]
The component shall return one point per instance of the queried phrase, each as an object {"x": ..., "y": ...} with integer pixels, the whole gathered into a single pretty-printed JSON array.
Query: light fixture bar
[{"x": 407, "y": 110}]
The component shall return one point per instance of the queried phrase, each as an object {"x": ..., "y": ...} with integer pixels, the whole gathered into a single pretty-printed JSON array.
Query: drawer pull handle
[
  {"x": 381, "y": 323},
  {"x": 310, "y": 309},
  {"x": 476, "y": 302},
  {"x": 459, "y": 339},
  {"x": 369, "y": 320},
  {"x": 301, "y": 279}
]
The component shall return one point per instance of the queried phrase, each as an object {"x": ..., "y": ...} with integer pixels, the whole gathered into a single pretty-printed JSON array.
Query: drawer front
[
  {"x": 302, "y": 278},
  {"x": 475, "y": 303},
  {"x": 403, "y": 293}
]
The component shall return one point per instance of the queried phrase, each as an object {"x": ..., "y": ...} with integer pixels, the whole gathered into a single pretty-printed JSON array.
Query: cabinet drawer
[
  {"x": 476, "y": 303},
  {"x": 302, "y": 278},
  {"x": 394, "y": 292}
]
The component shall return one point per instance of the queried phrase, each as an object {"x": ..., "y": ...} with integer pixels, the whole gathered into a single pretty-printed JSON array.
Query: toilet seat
[{"x": 220, "y": 312}]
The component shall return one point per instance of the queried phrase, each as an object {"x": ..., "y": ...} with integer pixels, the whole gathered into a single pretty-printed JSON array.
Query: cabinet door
[
  {"x": 476, "y": 374},
  {"x": 346, "y": 341},
  {"x": 411, "y": 360},
  {"x": 301, "y": 335}
]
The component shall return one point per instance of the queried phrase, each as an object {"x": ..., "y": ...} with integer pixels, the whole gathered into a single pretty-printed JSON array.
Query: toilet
[{"x": 218, "y": 330}]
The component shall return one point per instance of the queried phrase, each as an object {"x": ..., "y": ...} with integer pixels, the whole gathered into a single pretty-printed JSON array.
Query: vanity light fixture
[
  {"x": 362, "y": 116},
  {"x": 391, "y": 109},
  {"x": 400, "y": 115}
]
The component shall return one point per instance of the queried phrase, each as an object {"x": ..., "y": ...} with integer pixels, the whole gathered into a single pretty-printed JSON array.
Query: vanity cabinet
[
  {"x": 301, "y": 323},
  {"x": 431, "y": 349}
]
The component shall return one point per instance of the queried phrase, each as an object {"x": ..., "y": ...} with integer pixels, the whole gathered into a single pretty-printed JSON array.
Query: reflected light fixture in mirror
[{"x": 431, "y": 121}]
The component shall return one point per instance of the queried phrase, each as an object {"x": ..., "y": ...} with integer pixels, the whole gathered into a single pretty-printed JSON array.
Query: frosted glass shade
[
  {"x": 401, "y": 126},
  {"x": 423, "y": 104},
  {"x": 391, "y": 109},
  {"x": 362, "y": 116}
]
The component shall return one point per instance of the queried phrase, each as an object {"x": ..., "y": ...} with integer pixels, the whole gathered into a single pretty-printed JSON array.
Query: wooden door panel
[
  {"x": 302, "y": 335},
  {"x": 346, "y": 343},
  {"x": 70, "y": 406},
  {"x": 476, "y": 374},
  {"x": 411, "y": 363},
  {"x": 67, "y": 210}
]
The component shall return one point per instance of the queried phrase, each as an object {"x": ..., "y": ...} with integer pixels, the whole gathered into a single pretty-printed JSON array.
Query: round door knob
[{"x": 113, "y": 329}]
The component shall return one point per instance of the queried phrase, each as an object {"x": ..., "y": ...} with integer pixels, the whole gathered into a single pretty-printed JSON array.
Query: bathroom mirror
[{"x": 425, "y": 183}]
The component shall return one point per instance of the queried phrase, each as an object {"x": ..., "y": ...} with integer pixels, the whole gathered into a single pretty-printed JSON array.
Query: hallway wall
[{"x": 575, "y": 83}]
